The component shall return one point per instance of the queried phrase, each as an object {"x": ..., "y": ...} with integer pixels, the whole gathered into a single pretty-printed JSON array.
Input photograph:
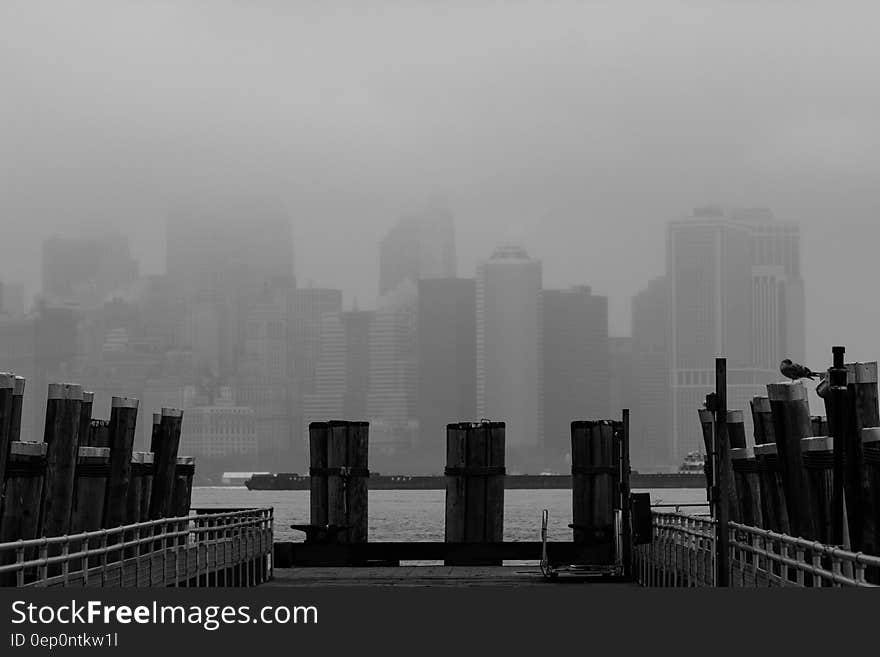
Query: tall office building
[
  {"x": 419, "y": 246},
  {"x": 735, "y": 290},
  {"x": 447, "y": 361},
  {"x": 392, "y": 380},
  {"x": 309, "y": 307},
  {"x": 576, "y": 362},
  {"x": 224, "y": 256},
  {"x": 509, "y": 345},
  {"x": 86, "y": 271},
  {"x": 651, "y": 447}
]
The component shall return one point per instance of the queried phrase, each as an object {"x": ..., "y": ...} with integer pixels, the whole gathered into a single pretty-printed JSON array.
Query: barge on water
[{"x": 294, "y": 481}]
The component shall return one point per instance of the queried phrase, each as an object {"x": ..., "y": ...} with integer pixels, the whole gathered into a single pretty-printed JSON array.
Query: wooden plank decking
[{"x": 458, "y": 576}]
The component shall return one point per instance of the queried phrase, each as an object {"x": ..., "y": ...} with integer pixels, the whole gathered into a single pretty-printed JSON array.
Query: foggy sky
[{"x": 576, "y": 128}]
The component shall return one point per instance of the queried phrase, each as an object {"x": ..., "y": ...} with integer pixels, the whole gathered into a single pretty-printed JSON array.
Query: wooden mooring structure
[{"x": 82, "y": 508}]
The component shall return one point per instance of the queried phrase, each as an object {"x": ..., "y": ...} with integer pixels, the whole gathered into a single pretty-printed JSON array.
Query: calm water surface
[{"x": 419, "y": 515}]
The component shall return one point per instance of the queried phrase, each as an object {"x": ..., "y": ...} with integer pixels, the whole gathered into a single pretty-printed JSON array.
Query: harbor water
[{"x": 419, "y": 515}]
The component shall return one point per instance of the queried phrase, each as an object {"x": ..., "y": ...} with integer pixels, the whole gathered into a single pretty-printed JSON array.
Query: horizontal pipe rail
[
  {"x": 245, "y": 536},
  {"x": 682, "y": 553}
]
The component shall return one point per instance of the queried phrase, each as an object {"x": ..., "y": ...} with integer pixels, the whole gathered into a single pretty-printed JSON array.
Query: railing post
[{"x": 722, "y": 492}]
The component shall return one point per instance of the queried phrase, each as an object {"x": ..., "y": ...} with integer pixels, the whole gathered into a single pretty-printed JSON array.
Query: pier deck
[{"x": 458, "y": 576}]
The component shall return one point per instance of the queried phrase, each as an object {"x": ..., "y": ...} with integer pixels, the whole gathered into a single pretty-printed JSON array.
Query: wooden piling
[
  {"x": 318, "y": 437},
  {"x": 722, "y": 457},
  {"x": 736, "y": 439},
  {"x": 791, "y": 422},
  {"x": 774, "y": 510},
  {"x": 7, "y": 385},
  {"x": 17, "y": 404},
  {"x": 61, "y": 436},
  {"x": 707, "y": 424},
  {"x": 592, "y": 484},
  {"x": 137, "y": 508},
  {"x": 818, "y": 456},
  {"x": 123, "y": 418},
  {"x": 155, "y": 433},
  {"x": 871, "y": 454},
  {"x": 87, "y": 512},
  {"x": 474, "y": 485},
  {"x": 864, "y": 413},
  {"x": 818, "y": 426},
  {"x": 357, "y": 450},
  {"x": 748, "y": 486},
  {"x": 20, "y": 505},
  {"x": 85, "y": 418},
  {"x": 165, "y": 462},
  {"x": 183, "y": 477},
  {"x": 762, "y": 418},
  {"x": 92, "y": 472}
]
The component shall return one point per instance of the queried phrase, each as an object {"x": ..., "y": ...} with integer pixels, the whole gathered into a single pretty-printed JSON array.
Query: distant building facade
[
  {"x": 651, "y": 446},
  {"x": 509, "y": 345},
  {"x": 575, "y": 362},
  {"x": 735, "y": 291},
  {"x": 447, "y": 362},
  {"x": 419, "y": 246}
]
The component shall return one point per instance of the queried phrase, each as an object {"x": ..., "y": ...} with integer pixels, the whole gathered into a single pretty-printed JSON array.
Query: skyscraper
[
  {"x": 447, "y": 361},
  {"x": 418, "y": 246},
  {"x": 85, "y": 271},
  {"x": 651, "y": 445},
  {"x": 576, "y": 362},
  {"x": 735, "y": 291},
  {"x": 509, "y": 345}
]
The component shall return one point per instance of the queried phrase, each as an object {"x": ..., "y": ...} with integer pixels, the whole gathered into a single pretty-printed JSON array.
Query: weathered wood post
[
  {"x": 181, "y": 500},
  {"x": 838, "y": 407},
  {"x": 593, "y": 473},
  {"x": 762, "y": 418},
  {"x": 819, "y": 426},
  {"x": 722, "y": 492},
  {"x": 748, "y": 486},
  {"x": 318, "y": 438},
  {"x": 123, "y": 418},
  {"x": 137, "y": 507},
  {"x": 865, "y": 413},
  {"x": 17, "y": 404},
  {"x": 791, "y": 420},
  {"x": 20, "y": 509},
  {"x": 624, "y": 493},
  {"x": 87, "y": 512},
  {"x": 155, "y": 433},
  {"x": 85, "y": 418},
  {"x": 871, "y": 453},
  {"x": 774, "y": 510},
  {"x": 736, "y": 440},
  {"x": 474, "y": 486},
  {"x": 165, "y": 462},
  {"x": 7, "y": 385},
  {"x": 357, "y": 449},
  {"x": 61, "y": 437},
  {"x": 818, "y": 455},
  {"x": 707, "y": 421},
  {"x": 92, "y": 471}
]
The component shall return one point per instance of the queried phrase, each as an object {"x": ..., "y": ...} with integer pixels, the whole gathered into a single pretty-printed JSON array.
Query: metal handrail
[
  {"x": 759, "y": 551},
  {"x": 163, "y": 535}
]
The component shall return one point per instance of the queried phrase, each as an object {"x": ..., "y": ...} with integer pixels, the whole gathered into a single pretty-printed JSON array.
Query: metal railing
[
  {"x": 194, "y": 550},
  {"x": 682, "y": 553}
]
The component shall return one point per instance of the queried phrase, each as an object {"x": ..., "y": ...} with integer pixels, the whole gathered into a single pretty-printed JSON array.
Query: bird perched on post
[{"x": 795, "y": 371}]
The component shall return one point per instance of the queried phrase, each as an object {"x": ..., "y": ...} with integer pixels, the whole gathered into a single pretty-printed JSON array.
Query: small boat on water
[{"x": 693, "y": 464}]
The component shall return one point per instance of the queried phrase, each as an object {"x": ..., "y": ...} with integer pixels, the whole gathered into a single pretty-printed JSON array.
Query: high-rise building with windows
[
  {"x": 447, "y": 360},
  {"x": 735, "y": 291},
  {"x": 509, "y": 345},
  {"x": 576, "y": 362},
  {"x": 418, "y": 246},
  {"x": 651, "y": 447}
]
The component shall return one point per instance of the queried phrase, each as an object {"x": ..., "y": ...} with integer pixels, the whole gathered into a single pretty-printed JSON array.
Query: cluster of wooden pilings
[
  {"x": 84, "y": 475},
  {"x": 475, "y": 470},
  {"x": 785, "y": 481}
]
